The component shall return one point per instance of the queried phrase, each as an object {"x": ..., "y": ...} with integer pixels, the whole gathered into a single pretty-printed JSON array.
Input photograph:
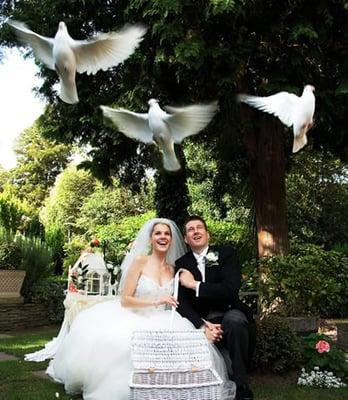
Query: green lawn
[{"x": 17, "y": 381}]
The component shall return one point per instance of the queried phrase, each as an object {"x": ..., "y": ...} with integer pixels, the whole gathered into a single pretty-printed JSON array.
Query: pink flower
[
  {"x": 322, "y": 346},
  {"x": 71, "y": 287}
]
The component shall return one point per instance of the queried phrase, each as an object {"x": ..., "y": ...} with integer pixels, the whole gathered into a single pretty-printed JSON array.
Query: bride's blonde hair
[{"x": 161, "y": 222}]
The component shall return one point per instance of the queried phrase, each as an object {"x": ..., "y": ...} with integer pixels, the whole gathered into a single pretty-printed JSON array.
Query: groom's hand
[
  {"x": 187, "y": 279},
  {"x": 213, "y": 332}
]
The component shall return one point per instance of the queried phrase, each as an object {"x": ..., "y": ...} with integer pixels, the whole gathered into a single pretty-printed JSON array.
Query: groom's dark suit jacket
[{"x": 220, "y": 290}]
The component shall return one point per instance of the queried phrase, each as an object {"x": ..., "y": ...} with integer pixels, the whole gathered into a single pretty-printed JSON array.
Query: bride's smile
[{"x": 161, "y": 237}]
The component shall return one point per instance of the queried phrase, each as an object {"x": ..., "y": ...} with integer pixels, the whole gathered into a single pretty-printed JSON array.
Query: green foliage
[
  {"x": 277, "y": 347},
  {"x": 54, "y": 238},
  {"x": 36, "y": 260},
  {"x": 39, "y": 161},
  {"x": 341, "y": 248},
  {"x": 63, "y": 206},
  {"x": 120, "y": 235},
  {"x": 72, "y": 251},
  {"x": 108, "y": 204},
  {"x": 305, "y": 31},
  {"x": 310, "y": 281},
  {"x": 25, "y": 253},
  {"x": 317, "y": 192},
  {"x": 49, "y": 292},
  {"x": 10, "y": 252},
  {"x": 333, "y": 360},
  {"x": 12, "y": 211}
]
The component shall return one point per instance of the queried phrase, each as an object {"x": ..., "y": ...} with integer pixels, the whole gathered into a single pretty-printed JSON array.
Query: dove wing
[
  {"x": 107, "y": 49},
  {"x": 190, "y": 120},
  {"x": 134, "y": 125},
  {"x": 42, "y": 46},
  {"x": 282, "y": 105}
]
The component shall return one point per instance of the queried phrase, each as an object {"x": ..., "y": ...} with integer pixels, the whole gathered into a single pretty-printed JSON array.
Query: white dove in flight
[
  {"x": 67, "y": 56},
  {"x": 161, "y": 128},
  {"x": 290, "y": 109}
]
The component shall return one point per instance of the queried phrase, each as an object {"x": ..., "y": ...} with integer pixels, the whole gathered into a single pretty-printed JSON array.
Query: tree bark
[
  {"x": 171, "y": 195},
  {"x": 267, "y": 168}
]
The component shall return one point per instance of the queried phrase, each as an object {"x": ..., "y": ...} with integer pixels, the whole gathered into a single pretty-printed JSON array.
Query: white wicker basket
[{"x": 173, "y": 365}]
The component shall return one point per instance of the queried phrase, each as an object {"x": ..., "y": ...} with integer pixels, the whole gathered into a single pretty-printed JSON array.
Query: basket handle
[{"x": 175, "y": 295}]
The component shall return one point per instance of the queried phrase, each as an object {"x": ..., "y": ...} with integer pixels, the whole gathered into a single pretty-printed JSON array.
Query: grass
[{"x": 17, "y": 381}]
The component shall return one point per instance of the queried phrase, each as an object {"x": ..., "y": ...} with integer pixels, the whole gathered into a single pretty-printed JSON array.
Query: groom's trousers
[{"x": 239, "y": 337}]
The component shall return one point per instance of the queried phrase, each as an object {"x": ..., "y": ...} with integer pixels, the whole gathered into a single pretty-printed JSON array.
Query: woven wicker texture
[
  {"x": 168, "y": 379},
  {"x": 170, "y": 350},
  {"x": 11, "y": 282},
  {"x": 198, "y": 393}
]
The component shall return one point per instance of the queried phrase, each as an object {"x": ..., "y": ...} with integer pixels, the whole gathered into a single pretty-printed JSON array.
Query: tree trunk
[
  {"x": 171, "y": 195},
  {"x": 267, "y": 167}
]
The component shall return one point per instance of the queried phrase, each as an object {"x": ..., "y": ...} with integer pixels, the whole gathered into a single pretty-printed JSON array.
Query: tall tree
[{"x": 39, "y": 161}]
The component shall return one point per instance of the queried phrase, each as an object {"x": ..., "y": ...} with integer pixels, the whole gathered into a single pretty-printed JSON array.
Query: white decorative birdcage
[{"x": 95, "y": 280}]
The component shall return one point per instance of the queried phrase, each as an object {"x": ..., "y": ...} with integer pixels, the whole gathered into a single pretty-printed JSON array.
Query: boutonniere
[{"x": 212, "y": 259}]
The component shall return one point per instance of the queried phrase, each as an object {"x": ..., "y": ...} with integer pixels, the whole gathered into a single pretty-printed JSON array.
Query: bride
[{"x": 94, "y": 357}]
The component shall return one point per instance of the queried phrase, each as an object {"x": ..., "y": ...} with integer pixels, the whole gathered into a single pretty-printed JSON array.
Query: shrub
[
  {"x": 50, "y": 292},
  {"x": 311, "y": 281},
  {"x": 341, "y": 248},
  {"x": 226, "y": 232},
  {"x": 119, "y": 235},
  {"x": 11, "y": 212},
  {"x": 54, "y": 237},
  {"x": 36, "y": 260},
  {"x": 10, "y": 252},
  {"x": 277, "y": 347},
  {"x": 320, "y": 351},
  {"x": 72, "y": 251}
]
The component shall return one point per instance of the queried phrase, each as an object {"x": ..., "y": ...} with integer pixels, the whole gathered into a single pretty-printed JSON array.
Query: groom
[{"x": 208, "y": 297}]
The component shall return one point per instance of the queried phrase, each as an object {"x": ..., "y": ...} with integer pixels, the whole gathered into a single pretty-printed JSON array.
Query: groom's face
[{"x": 196, "y": 235}]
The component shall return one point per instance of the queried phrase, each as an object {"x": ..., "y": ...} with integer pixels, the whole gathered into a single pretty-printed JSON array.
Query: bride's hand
[{"x": 170, "y": 300}]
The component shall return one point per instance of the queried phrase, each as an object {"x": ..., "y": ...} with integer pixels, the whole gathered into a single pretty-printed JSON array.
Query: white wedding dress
[{"x": 95, "y": 358}]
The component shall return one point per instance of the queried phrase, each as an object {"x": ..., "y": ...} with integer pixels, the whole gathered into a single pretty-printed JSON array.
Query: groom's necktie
[{"x": 201, "y": 265}]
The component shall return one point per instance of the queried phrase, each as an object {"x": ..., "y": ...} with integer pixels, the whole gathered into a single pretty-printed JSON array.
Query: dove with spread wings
[
  {"x": 67, "y": 56},
  {"x": 163, "y": 128},
  {"x": 290, "y": 109}
]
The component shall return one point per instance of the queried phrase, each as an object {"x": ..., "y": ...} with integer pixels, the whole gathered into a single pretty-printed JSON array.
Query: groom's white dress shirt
[{"x": 200, "y": 258}]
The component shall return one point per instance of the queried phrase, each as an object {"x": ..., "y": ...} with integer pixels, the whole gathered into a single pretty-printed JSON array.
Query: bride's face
[{"x": 161, "y": 237}]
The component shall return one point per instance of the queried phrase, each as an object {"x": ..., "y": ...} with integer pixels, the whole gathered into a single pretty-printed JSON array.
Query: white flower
[
  {"x": 79, "y": 271},
  {"x": 317, "y": 378},
  {"x": 79, "y": 280},
  {"x": 57, "y": 395},
  {"x": 212, "y": 259}
]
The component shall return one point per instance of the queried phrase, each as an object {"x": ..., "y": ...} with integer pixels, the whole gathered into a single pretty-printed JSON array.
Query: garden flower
[
  {"x": 95, "y": 242},
  {"x": 317, "y": 378},
  {"x": 322, "y": 346}
]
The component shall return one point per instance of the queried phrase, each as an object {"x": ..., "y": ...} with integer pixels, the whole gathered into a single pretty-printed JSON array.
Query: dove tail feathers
[
  {"x": 299, "y": 142},
  {"x": 170, "y": 162},
  {"x": 68, "y": 92}
]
